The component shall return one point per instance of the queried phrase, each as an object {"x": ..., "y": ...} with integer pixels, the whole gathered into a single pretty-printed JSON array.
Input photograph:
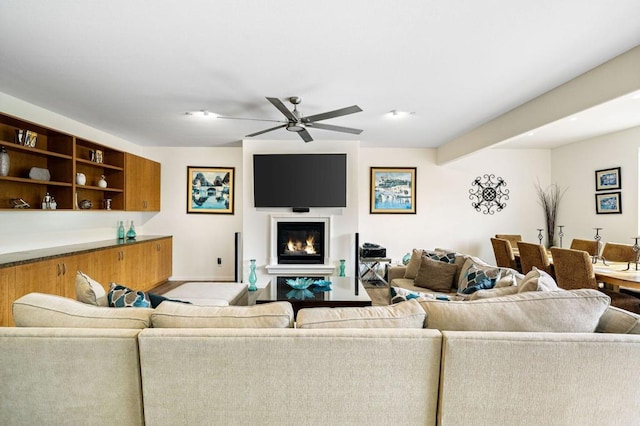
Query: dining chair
[
  {"x": 504, "y": 254},
  {"x": 615, "y": 252},
  {"x": 534, "y": 255},
  {"x": 512, "y": 238},
  {"x": 574, "y": 270},
  {"x": 590, "y": 246}
]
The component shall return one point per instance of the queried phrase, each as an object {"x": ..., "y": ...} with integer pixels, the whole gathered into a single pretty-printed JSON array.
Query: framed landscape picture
[
  {"x": 210, "y": 189},
  {"x": 607, "y": 179},
  {"x": 609, "y": 202},
  {"x": 393, "y": 190}
]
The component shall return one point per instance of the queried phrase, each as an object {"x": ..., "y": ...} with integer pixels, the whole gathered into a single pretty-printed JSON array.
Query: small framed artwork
[
  {"x": 609, "y": 202},
  {"x": 393, "y": 190},
  {"x": 608, "y": 179},
  {"x": 210, "y": 189}
]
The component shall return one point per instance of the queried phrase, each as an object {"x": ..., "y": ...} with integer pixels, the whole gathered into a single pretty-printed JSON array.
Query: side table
[{"x": 369, "y": 270}]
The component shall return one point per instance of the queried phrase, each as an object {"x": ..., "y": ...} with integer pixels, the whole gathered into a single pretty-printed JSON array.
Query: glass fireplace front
[{"x": 300, "y": 242}]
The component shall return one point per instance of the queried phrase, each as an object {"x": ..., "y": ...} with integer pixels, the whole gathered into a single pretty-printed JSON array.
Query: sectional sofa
[{"x": 72, "y": 363}]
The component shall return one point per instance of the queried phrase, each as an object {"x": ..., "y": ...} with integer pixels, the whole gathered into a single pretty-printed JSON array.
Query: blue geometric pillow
[
  {"x": 399, "y": 294},
  {"x": 120, "y": 296},
  {"x": 442, "y": 257},
  {"x": 478, "y": 279}
]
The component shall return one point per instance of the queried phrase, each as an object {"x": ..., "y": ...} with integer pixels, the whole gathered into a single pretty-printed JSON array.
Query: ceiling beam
[{"x": 616, "y": 77}]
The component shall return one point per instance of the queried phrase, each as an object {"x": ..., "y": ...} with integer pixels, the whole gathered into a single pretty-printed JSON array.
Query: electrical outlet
[{"x": 219, "y": 261}]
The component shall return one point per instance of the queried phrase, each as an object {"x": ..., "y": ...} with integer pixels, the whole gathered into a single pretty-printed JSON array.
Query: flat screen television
[{"x": 300, "y": 180}]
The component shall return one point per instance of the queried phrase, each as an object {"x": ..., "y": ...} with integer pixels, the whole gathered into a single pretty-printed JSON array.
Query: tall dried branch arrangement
[{"x": 549, "y": 198}]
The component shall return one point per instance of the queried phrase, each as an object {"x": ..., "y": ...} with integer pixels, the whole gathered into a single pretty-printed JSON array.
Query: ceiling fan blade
[
  {"x": 283, "y": 109},
  {"x": 331, "y": 114},
  {"x": 305, "y": 135},
  {"x": 335, "y": 128},
  {"x": 265, "y": 131},
  {"x": 252, "y": 119}
]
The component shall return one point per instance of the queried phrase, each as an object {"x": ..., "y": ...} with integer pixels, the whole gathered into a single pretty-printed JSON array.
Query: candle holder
[
  {"x": 560, "y": 234},
  {"x": 540, "y": 237},
  {"x": 597, "y": 237},
  {"x": 636, "y": 249}
]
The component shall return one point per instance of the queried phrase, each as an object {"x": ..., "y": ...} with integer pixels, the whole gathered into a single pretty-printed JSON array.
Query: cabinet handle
[
  {"x": 58, "y": 268},
  {"x": 144, "y": 203},
  {"x": 64, "y": 269}
]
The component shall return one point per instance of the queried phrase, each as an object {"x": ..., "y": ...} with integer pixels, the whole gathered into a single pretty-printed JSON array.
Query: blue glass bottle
[
  {"x": 252, "y": 275},
  {"x": 131, "y": 233}
]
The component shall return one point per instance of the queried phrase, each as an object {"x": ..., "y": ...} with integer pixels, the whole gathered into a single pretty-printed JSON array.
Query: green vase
[
  {"x": 252, "y": 275},
  {"x": 341, "y": 273}
]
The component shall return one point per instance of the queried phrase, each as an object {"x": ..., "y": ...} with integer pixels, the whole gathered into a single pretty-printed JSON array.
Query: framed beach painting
[
  {"x": 608, "y": 179},
  {"x": 393, "y": 190},
  {"x": 210, "y": 189},
  {"x": 609, "y": 202}
]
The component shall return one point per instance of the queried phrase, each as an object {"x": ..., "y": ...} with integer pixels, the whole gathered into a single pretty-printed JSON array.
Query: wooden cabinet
[
  {"x": 139, "y": 265},
  {"x": 7, "y": 280},
  {"x": 133, "y": 183},
  {"x": 142, "y": 184}
]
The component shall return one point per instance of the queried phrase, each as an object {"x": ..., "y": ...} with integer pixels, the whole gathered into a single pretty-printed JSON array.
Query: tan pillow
[
  {"x": 619, "y": 321},
  {"x": 181, "y": 315},
  {"x": 493, "y": 292},
  {"x": 48, "y": 310},
  {"x": 407, "y": 314},
  {"x": 537, "y": 280},
  {"x": 435, "y": 275},
  {"x": 574, "y": 311},
  {"x": 414, "y": 264},
  {"x": 90, "y": 291}
]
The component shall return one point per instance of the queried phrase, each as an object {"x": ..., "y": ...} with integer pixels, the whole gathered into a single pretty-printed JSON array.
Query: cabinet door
[
  {"x": 40, "y": 277},
  {"x": 142, "y": 184},
  {"x": 7, "y": 281},
  {"x": 70, "y": 266},
  {"x": 134, "y": 269},
  {"x": 107, "y": 266},
  {"x": 165, "y": 267}
]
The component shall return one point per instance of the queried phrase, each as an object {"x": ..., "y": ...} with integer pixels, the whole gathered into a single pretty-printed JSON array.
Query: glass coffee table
[{"x": 343, "y": 292}]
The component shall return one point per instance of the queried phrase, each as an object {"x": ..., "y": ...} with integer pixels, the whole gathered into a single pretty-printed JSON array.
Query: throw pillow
[
  {"x": 478, "y": 277},
  {"x": 435, "y": 275},
  {"x": 493, "y": 292},
  {"x": 90, "y": 291},
  {"x": 414, "y": 264},
  {"x": 448, "y": 257},
  {"x": 571, "y": 311},
  {"x": 120, "y": 296},
  {"x": 537, "y": 280},
  {"x": 399, "y": 294},
  {"x": 407, "y": 314}
]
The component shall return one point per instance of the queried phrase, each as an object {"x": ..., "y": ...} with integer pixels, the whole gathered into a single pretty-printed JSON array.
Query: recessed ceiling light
[
  {"x": 530, "y": 134},
  {"x": 203, "y": 113},
  {"x": 394, "y": 113},
  {"x": 574, "y": 118}
]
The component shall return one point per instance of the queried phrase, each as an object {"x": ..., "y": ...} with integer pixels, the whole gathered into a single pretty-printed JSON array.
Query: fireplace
[
  {"x": 300, "y": 242},
  {"x": 300, "y": 245}
]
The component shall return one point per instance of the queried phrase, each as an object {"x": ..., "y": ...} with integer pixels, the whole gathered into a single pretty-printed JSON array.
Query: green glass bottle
[
  {"x": 121, "y": 231},
  {"x": 131, "y": 233}
]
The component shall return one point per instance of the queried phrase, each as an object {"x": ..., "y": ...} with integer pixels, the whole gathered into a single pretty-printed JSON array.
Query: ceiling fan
[{"x": 298, "y": 123}]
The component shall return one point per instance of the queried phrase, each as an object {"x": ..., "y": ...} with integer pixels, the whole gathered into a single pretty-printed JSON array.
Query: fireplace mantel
[{"x": 326, "y": 268}]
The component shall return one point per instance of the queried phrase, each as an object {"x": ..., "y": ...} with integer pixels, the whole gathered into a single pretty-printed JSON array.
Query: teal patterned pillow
[
  {"x": 442, "y": 257},
  {"x": 399, "y": 294},
  {"x": 120, "y": 296},
  {"x": 479, "y": 278}
]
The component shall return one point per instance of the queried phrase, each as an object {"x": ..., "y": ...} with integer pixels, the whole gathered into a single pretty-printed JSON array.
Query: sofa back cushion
[
  {"x": 48, "y": 310},
  {"x": 407, "y": 314},
  {"x": 619, "y": 321},
  {"x": 180, "y": 315},
  {"x": 553, "y": 311}
]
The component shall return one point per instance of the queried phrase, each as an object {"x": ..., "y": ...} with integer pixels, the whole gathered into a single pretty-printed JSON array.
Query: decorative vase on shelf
[
  {"x": 102, "y": 183},
  {"x": 406, "y": 258},
  {"x": 81, "y": 179},
  {"x": 131, "y": 233},
  {"x": 252, "y": 275},
  {"x": 341, "y": 273},
  {"x": 4, "y": 162},
  {"x": 121, "y": 231}
]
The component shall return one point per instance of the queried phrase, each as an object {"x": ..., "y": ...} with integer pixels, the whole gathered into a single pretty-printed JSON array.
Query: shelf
[
  {"x": 98, "y": 188},
  {"x": 35, "y": 181},
  {"x": 10, "y": 146},
  {"x": 99, "y": 165}
]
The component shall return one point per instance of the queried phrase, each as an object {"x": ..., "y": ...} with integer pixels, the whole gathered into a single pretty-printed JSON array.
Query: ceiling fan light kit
[{"x": 298, "y": 123}]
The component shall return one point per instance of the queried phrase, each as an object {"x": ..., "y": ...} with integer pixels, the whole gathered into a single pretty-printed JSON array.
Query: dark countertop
[{"x": 8, "y": 260}]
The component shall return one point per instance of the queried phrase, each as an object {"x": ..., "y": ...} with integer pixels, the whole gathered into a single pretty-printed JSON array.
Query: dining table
[{"x": 618, "y": 274}]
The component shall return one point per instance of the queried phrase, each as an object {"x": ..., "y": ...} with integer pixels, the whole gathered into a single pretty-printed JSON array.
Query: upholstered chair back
[
  {"x": 618, "y": 252},
  {"x": 534, "y": 255},
  {"x": 573, "y": 269},
  {"x": 590, "y": 246},
  {"x": 504, "y": 254},
  {"x": 512, "y": 238}
]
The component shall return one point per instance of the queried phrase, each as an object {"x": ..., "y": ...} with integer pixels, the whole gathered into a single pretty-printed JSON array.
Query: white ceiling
[{"x": 133, "y": 68}]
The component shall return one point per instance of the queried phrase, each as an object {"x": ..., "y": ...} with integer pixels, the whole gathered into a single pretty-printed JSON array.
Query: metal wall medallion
[{"x": 488, "y": 194}]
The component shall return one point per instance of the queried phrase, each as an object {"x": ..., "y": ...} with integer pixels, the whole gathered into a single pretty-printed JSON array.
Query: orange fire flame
[{"x": 298, "y": 246}]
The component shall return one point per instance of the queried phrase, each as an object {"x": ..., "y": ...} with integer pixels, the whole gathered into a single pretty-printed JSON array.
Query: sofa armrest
[{"x": 396, "y": 271}]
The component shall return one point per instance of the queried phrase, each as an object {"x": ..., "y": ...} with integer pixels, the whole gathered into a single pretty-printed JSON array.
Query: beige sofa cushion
[
  {"x": 414, "y": 264},
  {"x": 48, "y": 310},
  {"x": 180, "y": 315},
  {"x": 435, "y": 275},
  {"x": 537, "y": 280},
  {"x": 407, "y": 314},
  {"x": 616, "y": 320},
  {"x": 494, "y": 292},
  {"x": 553, "y": 311},
  {"x": 89, "y": 290}
]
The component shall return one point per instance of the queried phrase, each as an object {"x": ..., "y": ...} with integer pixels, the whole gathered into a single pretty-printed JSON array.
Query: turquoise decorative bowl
[{"x": 300, "y": 283}]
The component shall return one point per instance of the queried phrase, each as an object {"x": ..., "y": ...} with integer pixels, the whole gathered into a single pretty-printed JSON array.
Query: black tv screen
[{"x": 300, "y": 180}]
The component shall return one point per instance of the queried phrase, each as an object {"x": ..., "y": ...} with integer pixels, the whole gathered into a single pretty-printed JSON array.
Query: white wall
[
  {"x": 445, "y": 217},
  {"x": 198, "y": 238},
  {"x": 573, "y": 167}
]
